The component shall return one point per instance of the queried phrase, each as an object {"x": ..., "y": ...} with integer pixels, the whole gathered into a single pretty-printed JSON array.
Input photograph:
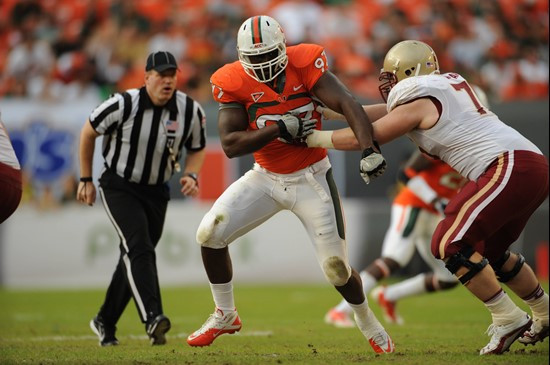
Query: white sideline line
[{"x": 132, "y": 337}]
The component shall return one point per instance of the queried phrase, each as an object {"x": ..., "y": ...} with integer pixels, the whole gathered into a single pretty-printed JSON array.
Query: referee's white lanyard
[{"x": 170, "y": 128}]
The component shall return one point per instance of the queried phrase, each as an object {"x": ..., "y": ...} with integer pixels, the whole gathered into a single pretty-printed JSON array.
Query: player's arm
[
  {"x": 337, "y": 97},
  {"x": 342, "y": 139},
  {"x": 420, "y": 113},
  {"x": 374, "y": 112},
  {"x": 235, "y": 137}
]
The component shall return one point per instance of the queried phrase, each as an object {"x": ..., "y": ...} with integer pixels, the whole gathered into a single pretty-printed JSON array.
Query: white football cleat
[
  {"x": 217, "y": 324},
  {"x": 377, "y": 336},
  {"x": 537, "y": 333},
  {"x": 340, "y": 319},
  {"x": 502, "y": 336}
]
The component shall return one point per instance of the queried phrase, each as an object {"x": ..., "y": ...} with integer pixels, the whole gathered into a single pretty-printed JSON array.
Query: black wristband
[
  {"x": 86, "y": 179},
  {"x": 193, "y": 176}
]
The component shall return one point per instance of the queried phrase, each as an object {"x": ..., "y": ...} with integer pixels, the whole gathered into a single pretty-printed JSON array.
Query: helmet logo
[{"x": 259, "y": 45}]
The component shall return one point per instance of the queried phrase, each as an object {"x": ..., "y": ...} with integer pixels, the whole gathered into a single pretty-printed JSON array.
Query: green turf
[{"x": 281, "y": 325}]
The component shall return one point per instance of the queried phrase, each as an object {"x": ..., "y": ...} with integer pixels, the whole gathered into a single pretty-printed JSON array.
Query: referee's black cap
[{"x": 161, "y": 61}]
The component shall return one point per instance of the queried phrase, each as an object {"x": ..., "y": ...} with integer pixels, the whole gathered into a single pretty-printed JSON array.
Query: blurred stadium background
[{"x": 60, "y": 58}]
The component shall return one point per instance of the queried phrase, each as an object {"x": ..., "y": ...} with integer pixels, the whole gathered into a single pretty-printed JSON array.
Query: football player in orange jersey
[
  {"x": 507, "y": 181},
  {"x": 428, "y": 184},
  {"x": 266, "y": 101}
]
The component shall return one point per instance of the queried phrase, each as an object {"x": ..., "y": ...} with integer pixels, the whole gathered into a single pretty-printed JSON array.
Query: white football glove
[
  {"x": 372, "y": 164},
  {"x": 292, "y": 127}
]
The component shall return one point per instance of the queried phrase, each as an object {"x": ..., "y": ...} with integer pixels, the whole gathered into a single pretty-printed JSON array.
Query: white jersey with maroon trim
[
  {"x": 7, "y": 154},
  {"x": 467, "y": 136}
]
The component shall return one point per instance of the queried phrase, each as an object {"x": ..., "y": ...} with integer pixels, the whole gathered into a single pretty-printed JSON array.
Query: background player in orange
[
  {"x": 428, "y": 184},
  {"x": 266, "y": 101},
  {"x": 508, "y": 181}
]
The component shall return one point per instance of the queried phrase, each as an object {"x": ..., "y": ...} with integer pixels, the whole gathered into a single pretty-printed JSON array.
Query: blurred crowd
[{"x": 75, "y": 49}]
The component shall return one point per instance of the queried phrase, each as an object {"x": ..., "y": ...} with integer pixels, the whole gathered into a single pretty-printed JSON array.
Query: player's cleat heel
[
  {"x": 339, "y": 319},
  {"x": 503, "y": 336},
  {"x": 216, "y": 325},
  {"x": 536, "y": 333}
]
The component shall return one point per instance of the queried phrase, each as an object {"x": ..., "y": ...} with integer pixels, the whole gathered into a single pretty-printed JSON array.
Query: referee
[{"x": 144, "y": 132}]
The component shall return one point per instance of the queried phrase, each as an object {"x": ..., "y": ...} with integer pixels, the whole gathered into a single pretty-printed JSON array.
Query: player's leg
[
  {"x": 438, "y": 279},
  {"x": 476, "y": 214},
  {"x": 397, "y": 251},
  {"x": 512, "y": 270},
  {"x": 242, "y": 207},
  {"x": 323, "y": 219}
]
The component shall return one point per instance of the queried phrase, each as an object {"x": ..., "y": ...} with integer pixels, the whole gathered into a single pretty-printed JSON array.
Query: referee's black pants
[{"x": 137, "y": 213}]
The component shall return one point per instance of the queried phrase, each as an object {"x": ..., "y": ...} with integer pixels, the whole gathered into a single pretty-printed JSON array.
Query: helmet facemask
[
  {"x": 261, "y": 46},
  {"x": 388, "y": 80},
  {"x": 265, "y": 66}
]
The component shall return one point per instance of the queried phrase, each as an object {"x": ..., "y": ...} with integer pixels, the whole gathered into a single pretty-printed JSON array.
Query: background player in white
[{"x": 508, "y": 181}]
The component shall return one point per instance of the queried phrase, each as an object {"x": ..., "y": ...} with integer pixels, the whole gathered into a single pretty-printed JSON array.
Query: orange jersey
[
  {"x": 440, "y": 177},
  {"x": 306, "y": 64}
]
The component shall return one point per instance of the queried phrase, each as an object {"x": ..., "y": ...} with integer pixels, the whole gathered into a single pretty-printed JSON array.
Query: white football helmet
[
  {"x": 406, "y": 59},
  {"x": 261, "y": 46}
]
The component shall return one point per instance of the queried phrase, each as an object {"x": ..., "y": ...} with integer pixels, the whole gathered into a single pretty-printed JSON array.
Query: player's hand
[
  {"x": 372, "y": 164},
  {"x": 440, "y": 204},
  {"x": 292, "y": 127}
]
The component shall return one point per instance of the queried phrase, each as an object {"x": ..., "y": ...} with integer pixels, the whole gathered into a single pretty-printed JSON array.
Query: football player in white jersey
[
  {"x": 508, "y": 181},
  {"x": 11, "y": 186}
]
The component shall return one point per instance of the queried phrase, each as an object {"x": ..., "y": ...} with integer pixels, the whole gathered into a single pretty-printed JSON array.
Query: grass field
[{"x": 281, "y": 325}]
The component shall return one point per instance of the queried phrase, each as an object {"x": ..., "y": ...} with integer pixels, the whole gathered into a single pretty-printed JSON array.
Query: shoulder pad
[
  {"x": 228, "y": 83},
  {"x": 303, "y": 55},
  {"x": 413, "y": 88}
]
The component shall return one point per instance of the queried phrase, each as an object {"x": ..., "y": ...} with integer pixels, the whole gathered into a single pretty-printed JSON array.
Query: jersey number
[{"x": 465, "y": 86}]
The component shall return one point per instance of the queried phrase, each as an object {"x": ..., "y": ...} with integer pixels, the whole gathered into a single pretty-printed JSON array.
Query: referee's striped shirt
[{"x": 138, "y": 134}]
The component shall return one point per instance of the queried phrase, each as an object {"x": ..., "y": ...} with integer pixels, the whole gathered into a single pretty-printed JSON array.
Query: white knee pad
[
  {"x": 210, "y": 231},
  {"x": 336, "y": 270}
]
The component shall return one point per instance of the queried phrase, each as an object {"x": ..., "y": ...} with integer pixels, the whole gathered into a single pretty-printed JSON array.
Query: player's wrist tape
[
  {"x": 320, "y": 139},
  {"x": 86, "y": 179}
]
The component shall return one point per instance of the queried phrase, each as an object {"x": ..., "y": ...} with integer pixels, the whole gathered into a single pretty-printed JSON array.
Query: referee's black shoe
[
  {"x": 157, "y": 329},
  {"x": 106, "y": 334}
]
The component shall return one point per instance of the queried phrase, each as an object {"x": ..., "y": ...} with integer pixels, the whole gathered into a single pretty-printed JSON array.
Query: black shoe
[
  {"x": 157, "y": 328},
  {"x": 106, "y": 334}
]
